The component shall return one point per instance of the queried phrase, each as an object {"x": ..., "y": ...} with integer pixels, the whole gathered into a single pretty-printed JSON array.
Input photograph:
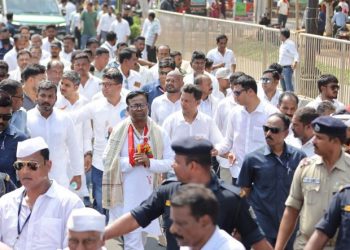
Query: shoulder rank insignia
[
  {"x": 167, "y": 203},
  {"x": 346, "y": 208},
  {"x": 306, "y": 162}
]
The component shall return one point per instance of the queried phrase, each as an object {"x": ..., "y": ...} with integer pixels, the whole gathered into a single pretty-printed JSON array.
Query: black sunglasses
[
  {"x": 32, "y": 165},
  {"x": 272, "y": 129},
  {"x": 5, "y": 117},
  {"x": 238, "y": 92}
]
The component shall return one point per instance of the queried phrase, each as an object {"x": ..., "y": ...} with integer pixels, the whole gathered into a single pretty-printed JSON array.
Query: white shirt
[
  {"x": 283, "y": 7},
  {"x": 209, "y": 105},
  {"x": 153, "y": 29},
  {"x": 189, "y": 79},
  {"x": 223, "y": 111},
  {"x": 111, "y": 49},
  {"x": 162, "y": 107},
  {"x": 69, "y": 9},
  {"x": 308, "y": 148},
  {"x": 104, "y": 117},
  {"x": 66, "y": 56},
  {"x": 74, "y": 21},
  {"x": 228, "y": 58},
  {"x": 244, "y": 133},
  {"x": 220, "y": 240},
  {"x": 11, "y": 59},
  {"x": 202, "y": 126},
  {"x": 105, "y": 23},
  {"x": 129, "y": 82},
  {"x": 15, "y": 74},
  {"x": 288, "y": 53},
  {"x": 47, "y": 45},
  {"x": 274, "y": 99},
  {"x": 46, "y": 228},
  {"x": 59, "y": 133},
  {"x": 90, "y": 88},
  {"x": 122, "y": 30},
  {"x": 146, "y": 75},
  {"x": 314, "y": 103}
]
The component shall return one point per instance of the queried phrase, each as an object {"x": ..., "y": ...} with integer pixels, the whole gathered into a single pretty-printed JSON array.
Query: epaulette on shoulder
[
  {"x": 233, "y": 189},
  {"x": 343, "y": 187},
  {"x": 169, "y": 180},
  {"x": 306, "y": 162}
]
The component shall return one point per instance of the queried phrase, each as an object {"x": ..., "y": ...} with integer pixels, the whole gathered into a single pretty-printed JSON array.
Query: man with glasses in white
[
  {"x": 328, "y": 87},
  {"x": 244, "y": 132},
  {"x": 269, "y": 82},
  {"x": 35, "y": 215}
]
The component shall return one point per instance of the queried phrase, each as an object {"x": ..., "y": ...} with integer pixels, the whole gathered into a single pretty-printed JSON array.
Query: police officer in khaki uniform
[{"x": 315, "y": 181}]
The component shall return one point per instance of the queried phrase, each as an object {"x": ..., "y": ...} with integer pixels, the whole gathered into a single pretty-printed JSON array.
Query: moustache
[{"x": 269, "y": 137}]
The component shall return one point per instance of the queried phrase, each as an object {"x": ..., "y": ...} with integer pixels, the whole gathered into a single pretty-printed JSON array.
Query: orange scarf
[{"x": 141, "y": 148}]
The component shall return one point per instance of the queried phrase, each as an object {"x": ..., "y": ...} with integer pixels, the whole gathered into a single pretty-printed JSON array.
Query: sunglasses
[
  {"x": 163, "y": 72},
  {"x": 32, "y": 165},
  {"x": 107, "y": 84},
  {"x": 138, "y": 107},
  {"x": 334, "y": 87},
  {"x": 5, "y": 117},
  {"x": 272, "y": 129},
  {"x": 238, "y": 92}
]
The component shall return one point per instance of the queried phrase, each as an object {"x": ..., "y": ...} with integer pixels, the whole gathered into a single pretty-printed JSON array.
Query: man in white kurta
[
  {"x": 57, "y": 129},
  {"x": 46, "y": 202},
  {"x": 136, "y": 169}
]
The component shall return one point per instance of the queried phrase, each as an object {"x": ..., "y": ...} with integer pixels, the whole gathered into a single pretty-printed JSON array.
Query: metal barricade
[{"x": 256, "y": 47}]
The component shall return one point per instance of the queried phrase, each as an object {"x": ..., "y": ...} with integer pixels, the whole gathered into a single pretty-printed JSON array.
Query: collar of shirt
[
  {"x": 286, "y": 151},
  {"x": 51, "y": 192},
  {"x": 197, "y": 118},
  {"x": 340, "y": 164},
  {"x": 10, "y": 130},
  {"x": 259, "y": 109}
]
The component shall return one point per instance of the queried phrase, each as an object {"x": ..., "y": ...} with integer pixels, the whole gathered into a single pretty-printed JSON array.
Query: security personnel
[
  {"x": 315, "y": 181},
  {"x": 193, "y": 165},
  {"x": 337, "y": 215}
]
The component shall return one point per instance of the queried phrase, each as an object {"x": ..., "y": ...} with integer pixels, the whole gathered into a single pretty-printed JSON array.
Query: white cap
[
  {"x": 30, "y": 146},
  {"x": 86, "y": 219},
  {"x": 223, "y": 73}
]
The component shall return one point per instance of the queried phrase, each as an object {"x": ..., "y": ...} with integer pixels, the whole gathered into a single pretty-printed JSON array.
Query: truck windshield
[{"x": 43, "y": 7}]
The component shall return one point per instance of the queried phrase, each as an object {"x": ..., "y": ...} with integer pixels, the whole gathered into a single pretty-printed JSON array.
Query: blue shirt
[
  {"x": 339, "y": 19},
  {"x": 9, "y": 139},
  {"x": 154, "y": 90},
  {"x": 19, "y": 121},
  {"x": 269, "y": 178}
]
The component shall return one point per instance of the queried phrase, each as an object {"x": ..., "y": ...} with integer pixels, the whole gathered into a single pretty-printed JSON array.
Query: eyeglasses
[
  {"x": 238, "y": 92},
  {"x": 265, "y": 80},
  {"x": 5, "y": 117},
  {"x": 163, "y": 72},
  {"x": 32, "y": 165},
  {"x": 272, "y": 129},
  {"x": 334, "y": 87},
  {"x": 107, "y": 84},
  {"x": 87, "y": 243},
  {"x": 138, "y": 107}
]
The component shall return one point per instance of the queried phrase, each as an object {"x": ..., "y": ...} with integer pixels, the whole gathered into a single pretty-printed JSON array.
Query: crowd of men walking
[{"x": 134, "y": 133}]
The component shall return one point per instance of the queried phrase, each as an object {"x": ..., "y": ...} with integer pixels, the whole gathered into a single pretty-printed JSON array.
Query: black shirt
[{"x": 234, "y": 211}]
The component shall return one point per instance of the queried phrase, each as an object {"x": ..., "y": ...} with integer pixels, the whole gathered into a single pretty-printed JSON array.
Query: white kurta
[
  {"x": 138, "y": 181},
  {"x": 162, "y": 107},
  {"x": 90, "y": 88},
  {"x": 46, "y": 228},
  {"x": 59, "y": 133}
]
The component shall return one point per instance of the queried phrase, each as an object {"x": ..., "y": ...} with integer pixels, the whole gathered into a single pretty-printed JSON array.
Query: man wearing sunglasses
[
  {"x": 328, "y": 87},
  {"x": 9, "y": 137},
  {"x": 315, "y": 181},
  {"x": 269, "y": 82},
  {"x": 35, "y": 215},
  {"x": 267, "y": 174}
]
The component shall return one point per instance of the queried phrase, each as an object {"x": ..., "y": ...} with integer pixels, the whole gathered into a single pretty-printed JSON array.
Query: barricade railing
[{"x": 256, "y": 47}]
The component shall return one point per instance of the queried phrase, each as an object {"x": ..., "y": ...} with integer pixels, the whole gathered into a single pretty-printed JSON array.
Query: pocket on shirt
[
  {"x": 312, "y": 193},
  {"x": 50, "y": 233}
]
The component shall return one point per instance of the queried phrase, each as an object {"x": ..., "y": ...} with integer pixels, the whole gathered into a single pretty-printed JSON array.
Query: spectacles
[
  {"x": 265, "y": 80},
  {"x": 32, "y": 165},
  {"x": 107, "y": 84},
  {"x": 272, "y": 129},
  {"x": 238, "y": 92},
  {"x": 163, "y": 72},
  {"x": 87, "y": 243},
  {"x": 138, "y": 107},
  {"x": 5, "y": 117},
  {"x": 334, "y": 87}
]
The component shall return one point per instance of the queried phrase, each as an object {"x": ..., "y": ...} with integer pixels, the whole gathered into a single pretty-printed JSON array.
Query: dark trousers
[
  {"x": 282, "y": 20},
  {"x": 151, "y": 54},
  {"x": 77, "y": 36}
]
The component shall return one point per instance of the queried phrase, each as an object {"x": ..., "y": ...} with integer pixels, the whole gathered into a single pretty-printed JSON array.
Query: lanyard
[{"x": 19, "y": 229}]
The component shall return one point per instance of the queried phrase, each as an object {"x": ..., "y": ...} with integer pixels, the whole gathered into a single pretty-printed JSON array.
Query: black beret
[
  {"x": 329, "y": 125},
  {"x": 193, "y": 145}
]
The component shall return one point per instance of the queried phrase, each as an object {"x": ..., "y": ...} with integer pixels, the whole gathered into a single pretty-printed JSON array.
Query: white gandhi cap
[
  {"x": 30, "y": 146},
  {"x": 86, "y": 219}
]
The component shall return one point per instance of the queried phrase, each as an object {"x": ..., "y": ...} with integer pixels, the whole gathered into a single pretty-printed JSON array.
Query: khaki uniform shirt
[{"x": 312, "y": 189}]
